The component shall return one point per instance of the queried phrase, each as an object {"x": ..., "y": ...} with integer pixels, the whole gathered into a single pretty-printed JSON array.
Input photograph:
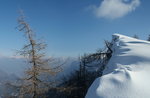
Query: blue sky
[{"x": 72, "y": 27}]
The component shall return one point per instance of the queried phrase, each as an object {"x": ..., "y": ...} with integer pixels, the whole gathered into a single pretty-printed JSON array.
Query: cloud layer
[{"x": 112, "y": 9}]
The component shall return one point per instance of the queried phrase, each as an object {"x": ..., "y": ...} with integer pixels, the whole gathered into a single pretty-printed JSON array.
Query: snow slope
[{"x": 127, "y": 74}]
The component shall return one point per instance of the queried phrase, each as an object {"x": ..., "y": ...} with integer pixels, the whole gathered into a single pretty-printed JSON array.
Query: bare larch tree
[{"x": 34, "y": 86}]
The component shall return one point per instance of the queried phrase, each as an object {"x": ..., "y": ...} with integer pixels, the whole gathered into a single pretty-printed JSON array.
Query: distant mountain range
[{"x": 11, "y": 68}]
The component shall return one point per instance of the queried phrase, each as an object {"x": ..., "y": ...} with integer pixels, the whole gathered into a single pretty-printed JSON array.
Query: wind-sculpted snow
[{"x": 127, "y": 73}]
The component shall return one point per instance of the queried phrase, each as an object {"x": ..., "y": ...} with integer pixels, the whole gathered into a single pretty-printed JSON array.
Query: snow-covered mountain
[
  {"x": 4, "y": 79},
  {"x": 17, "y": 66},
  {"x": 11, "y": 69},
  {"x": 12, "y": 65},
  {"x": 127, "y": 74}
]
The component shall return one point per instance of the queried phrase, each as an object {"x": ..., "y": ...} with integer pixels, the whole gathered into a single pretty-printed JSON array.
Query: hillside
[{"x": 127, "y": 73}]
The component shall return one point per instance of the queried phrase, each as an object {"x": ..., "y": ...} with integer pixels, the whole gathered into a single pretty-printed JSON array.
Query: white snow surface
[{"x": 127, "y": 75}]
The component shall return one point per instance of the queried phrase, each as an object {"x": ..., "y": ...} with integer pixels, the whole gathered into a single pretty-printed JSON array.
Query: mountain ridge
[{"x": 126, "y": 74}]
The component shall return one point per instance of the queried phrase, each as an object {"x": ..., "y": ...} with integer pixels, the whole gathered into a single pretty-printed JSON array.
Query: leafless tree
[
  {"x": 33, "y": 85},
  {"x": 135, "y": 36},
  {"x": 148, "y": 39}
]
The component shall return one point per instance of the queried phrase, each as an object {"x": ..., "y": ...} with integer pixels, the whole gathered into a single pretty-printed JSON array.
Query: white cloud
[{"x": 112, "y": 9}]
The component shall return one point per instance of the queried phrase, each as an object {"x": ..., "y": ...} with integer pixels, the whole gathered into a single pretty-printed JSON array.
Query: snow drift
[{"x": 127, "y": 74}]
